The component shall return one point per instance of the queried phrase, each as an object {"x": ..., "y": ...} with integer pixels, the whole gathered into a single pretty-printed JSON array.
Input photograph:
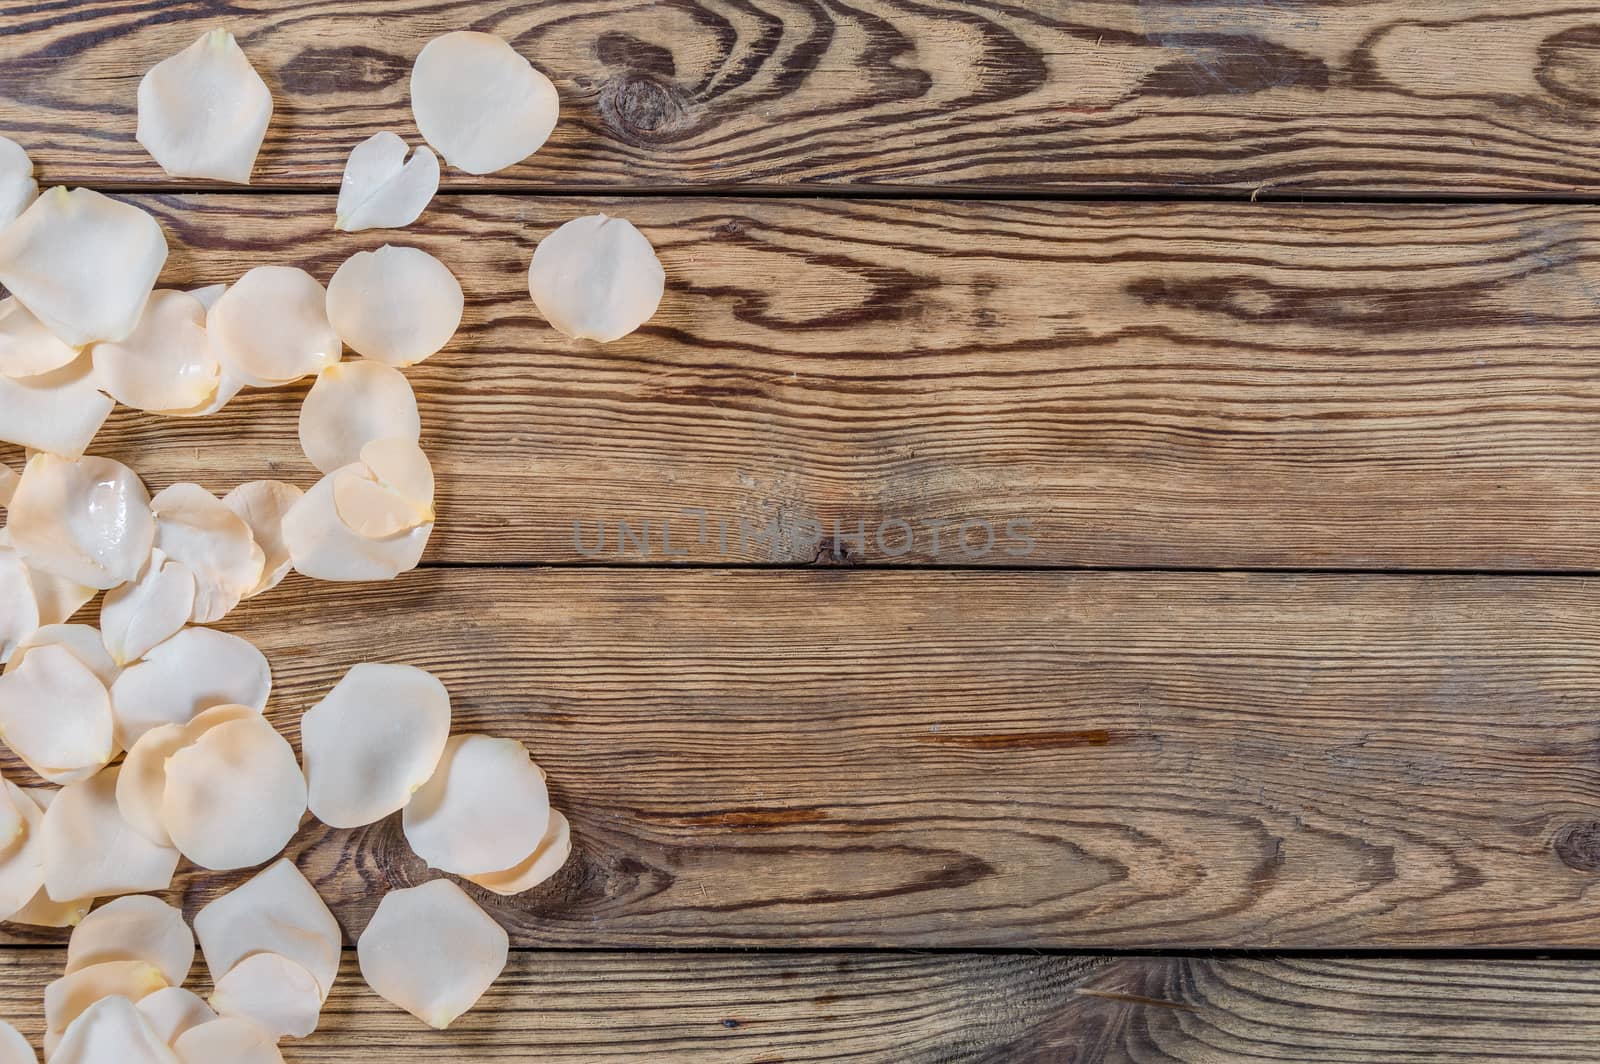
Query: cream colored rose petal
[
  {"x": 83, "y": 263},
  {"x": 137, "y": 617},
  {"x": 194, "y": 670},
  {"x": 112, "y": 1031},
  {"x": 197, "y": 530},
  {"x": 26, "y": 346},
  {"x": 276, "y": 912},
  {"x": 372, "y": 741},
  {"x": 17, "y": 186},
  {"x": 173, "y": 1010},
  {"x": 14, "y": 1049},
  {"x": 396, "y": 305},
  {"x": 272, "y": 992},
  {"x": 234, "y": 797},
  {"x": 166, "y": 364},
  {"x": 142, "y": 784},
  {"x": 484, "y": 810},
  {"x": 8, "y": 484},
  {"x": 14, "y": 804},
  {"x": 22, "y": 861},
  {"x": 56, "y": 599},
  {"x": 19, "y": 609},
  {"x": 401, "y": 466},
  {"x": 55, "y": 714},
  {"x": 371, "y": 510},
  {"x": 41, "y": 911},
  {"x": 86, "y": 520},
  {"x": 90, "y": 851},
  {"x": 544, "y": 862},
  {"x": 381, "y": 190},
  {"x": 226, "y": 1041},
  {"x": 59, "y": 412},
  {"x": 83, "y": 640},
  {"x": 262, "y": 505},
  {"x": 271, "y": 327},
  {"x": 596, "y": 278},
  {"x": 208, "y": 294},
  {"x": 431, "y": 951},
  {"x": 481, "y": 105},
  {"x": 134, "y": 928},
  {"x": 323, "y": 547},
  {"x": 204, "y": 111},
  {"x": 66, "y": 998},
  {"x": 352, "y": 404}
]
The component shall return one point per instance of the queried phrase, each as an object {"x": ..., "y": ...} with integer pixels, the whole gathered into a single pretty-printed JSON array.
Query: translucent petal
[
  {"x": 14, "y": 1049},
  {"x": 372, "y": 741},
  {"x": 56, "y": 716},
  {"x": 86, "y": 520},
  {"x": 19, "y": 610},
  {"x": 194, "y": 670},
  {"x": 8, "y": 484},
  {"x": 134, "y": 928},
  {"x": 352, "y": 404},
  {"x": 41, "y": 911},
  {"x": 402, "y": 467},
  {"x": 381, "y": 190},
  {"x": 226, "y": 1041},
  {"x": 396, "y": 305},
  {"x": 271, "y": 327},
  {"x": 372, "y": 510},
  {"x": 166, "y": 364},
  {"x": 196, "y": 529},
  {"x": 431, "y": 951},
  {"x": 325, "y": 548},
  {"x": 15, "y": 807},
  {"x": 596, "y": 278},
  {"x": 480, "y": 104},
  {"x": 22, "y": 862},
  {"x": 234, "y": 797},
  {"x": 90, "y": 851},
  {"x": 83, "y": 640},
  {"x": 59, "y": 412},
  {"x": 485, "y": 809},
  {"x": 262, "y": 505},
  {"x": 544, "y": 862},
  {"x": 66, "y": 998},
  {"x": 17, "y": 186},
  {"x": 172, "y": 1010},
  {"x": 272, "y": 992},
  {"x": 276, "y": 912},
  {"x": 137, "y": 617},
  {"x": 26, "y": 346},
  {"x": 57, "y": 599},
  {"x": 112, "y": 1031},
  {"x": 142, "y": 784},
  {"x": 84, "y": 263},
  {"x": 204, "y": 112}
]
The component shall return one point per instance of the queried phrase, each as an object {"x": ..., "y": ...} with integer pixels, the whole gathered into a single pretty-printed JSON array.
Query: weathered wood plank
[
  {"x": 972, "y": 758},
  {"x": 949, "y": 1008},
  {"x": 1143, "y": 385},
  {"x": 1386, "y": 386},
  {"x": 1081, "y": 96}
]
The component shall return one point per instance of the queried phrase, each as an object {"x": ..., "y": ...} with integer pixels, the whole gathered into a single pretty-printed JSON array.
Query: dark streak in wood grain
[{"x": 1026, "y": 741}]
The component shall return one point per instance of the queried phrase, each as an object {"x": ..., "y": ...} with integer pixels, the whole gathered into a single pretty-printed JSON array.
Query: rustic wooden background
[{"x": 1278, "y": 323}]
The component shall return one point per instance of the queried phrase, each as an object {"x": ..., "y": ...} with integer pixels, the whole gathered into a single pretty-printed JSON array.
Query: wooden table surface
[{"x": 1265, "y": 337}]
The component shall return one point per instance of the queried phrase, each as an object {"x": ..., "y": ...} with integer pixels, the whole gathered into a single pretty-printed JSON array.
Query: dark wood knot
[
  {"x": 642, "y": 109},
  {"x": 1578, "y": 845}
]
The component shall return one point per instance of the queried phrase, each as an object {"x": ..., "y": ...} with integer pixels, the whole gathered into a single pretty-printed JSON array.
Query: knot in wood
[
  {"x": 641, "y": 109},
  {"x": 1578, "y": 845}
]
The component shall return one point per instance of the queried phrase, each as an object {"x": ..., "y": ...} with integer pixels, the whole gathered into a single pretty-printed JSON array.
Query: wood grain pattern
[
  {"x": 962, "y": 759},
  {"x": 1371, "y": 387},
  {"x": 1114, "y": 95},
  {"x": 956, "y": 1009}
]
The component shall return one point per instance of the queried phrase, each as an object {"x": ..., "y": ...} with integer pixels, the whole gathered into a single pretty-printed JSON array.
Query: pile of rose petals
[{"x": 150, "y": 728}]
